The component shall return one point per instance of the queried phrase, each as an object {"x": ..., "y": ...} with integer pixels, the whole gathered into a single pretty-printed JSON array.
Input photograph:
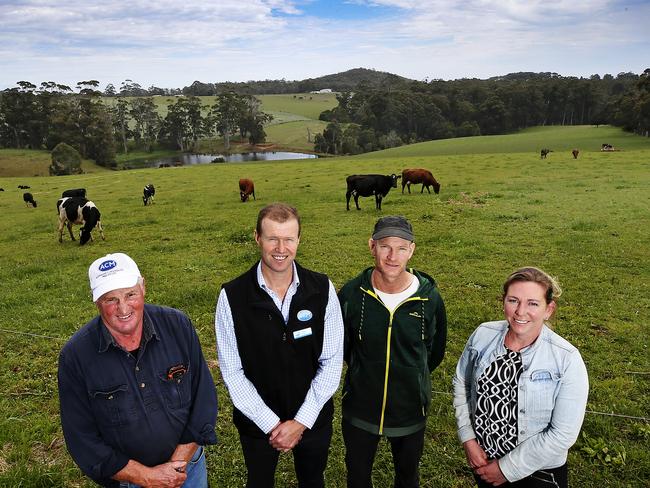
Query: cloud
[{"x": 171, "y": 43}]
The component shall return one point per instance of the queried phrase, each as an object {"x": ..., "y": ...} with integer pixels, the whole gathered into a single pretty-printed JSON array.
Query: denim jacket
[{"x": 552, "y": 397}]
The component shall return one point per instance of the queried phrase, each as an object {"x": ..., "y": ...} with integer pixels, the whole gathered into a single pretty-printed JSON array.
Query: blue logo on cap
[
  {"x": 304, "y": 315},
  {"x": 106, "y": 265}
]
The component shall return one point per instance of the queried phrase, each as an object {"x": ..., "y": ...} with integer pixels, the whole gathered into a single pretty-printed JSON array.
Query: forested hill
[{"x": 345, "y": 81}]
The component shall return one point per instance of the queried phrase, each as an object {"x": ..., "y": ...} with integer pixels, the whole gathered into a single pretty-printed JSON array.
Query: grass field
[
  {"x": 585, "y": 221},
  {"x": 586, "y": 138}
]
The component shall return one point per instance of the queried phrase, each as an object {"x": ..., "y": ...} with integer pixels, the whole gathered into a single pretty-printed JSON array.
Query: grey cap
[{"x": 393, "y": 226}]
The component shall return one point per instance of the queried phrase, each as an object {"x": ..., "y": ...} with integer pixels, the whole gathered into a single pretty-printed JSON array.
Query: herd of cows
[{"x": 73, "y": 208}]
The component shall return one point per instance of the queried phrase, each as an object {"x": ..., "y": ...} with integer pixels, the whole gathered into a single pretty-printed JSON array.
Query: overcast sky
[{"x": 171, "y": 43}]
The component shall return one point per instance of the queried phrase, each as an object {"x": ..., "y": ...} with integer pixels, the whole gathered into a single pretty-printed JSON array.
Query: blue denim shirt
[
  {"x": 553, "y": 390},
  {"x": 116, "y": 407}
]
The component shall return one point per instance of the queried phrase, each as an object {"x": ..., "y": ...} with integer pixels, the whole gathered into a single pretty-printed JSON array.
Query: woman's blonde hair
[{"x": 536, "y": 275}]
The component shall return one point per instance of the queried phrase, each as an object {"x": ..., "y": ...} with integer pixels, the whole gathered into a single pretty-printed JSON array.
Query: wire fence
[{"x": 592, "y": 412}]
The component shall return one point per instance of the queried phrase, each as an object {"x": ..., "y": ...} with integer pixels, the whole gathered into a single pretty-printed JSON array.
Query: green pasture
[
  {"x": 585, "y": 221},
  {"x": 300, "y": 106},
  {"x": 294, "y": 135},
  {"x": 560, "y": 139},
  {"x": 307, "y": 105},
  {"x": 28, "y": 162}
]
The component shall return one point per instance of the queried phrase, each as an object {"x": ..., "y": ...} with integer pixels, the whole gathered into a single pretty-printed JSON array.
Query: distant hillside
[
  {"x": 560, "y": 139},
  {"x": 345, "y": 81},
  {"x": 348, "y": 80}
]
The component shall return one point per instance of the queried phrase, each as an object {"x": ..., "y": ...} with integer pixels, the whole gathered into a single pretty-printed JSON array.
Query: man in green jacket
[{"x": 395, "y": 333}]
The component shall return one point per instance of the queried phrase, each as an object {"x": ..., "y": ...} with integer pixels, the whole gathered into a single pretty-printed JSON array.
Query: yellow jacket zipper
[{"x": 390, "y": 331}]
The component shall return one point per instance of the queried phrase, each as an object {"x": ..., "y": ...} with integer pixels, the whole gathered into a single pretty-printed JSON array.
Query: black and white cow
[
  {"x": 148, "y": 193},
  {"x": 366, "y": 185},
  {"x": 78, "y": 211},
  {"x": 28, "y": 198},
  {"x": 75, "y": 192}
]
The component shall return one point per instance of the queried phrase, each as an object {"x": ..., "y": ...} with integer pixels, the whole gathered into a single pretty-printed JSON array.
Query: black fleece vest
[{"x": 276, "y": 359}]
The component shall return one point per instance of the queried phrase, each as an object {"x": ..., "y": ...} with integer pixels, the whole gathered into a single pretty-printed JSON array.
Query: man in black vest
[{"x": 280, "y": 343}]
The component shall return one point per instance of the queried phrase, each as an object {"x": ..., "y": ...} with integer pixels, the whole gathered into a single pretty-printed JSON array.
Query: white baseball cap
[{"x": 112, "y": 272}]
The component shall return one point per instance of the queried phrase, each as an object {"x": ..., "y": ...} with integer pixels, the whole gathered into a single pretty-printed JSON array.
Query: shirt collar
[
  {"x": 531, "y": 347},
  {"x": 295, "y": 282},
  {"x": 106, "y": 339}
]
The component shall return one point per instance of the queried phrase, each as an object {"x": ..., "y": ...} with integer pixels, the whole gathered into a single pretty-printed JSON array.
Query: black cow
[
  {"x": 544, "y": 152},
  {"x": 24, "y": 187},
  {"x": 75, "y": 192},
  {"x": 2, "y": 189},
  {"x": 148, "y": 193},
  {"x": 28, "y": 198},
  {"x": 366, "y": 185},
  {"x": 79, "y": 211}
]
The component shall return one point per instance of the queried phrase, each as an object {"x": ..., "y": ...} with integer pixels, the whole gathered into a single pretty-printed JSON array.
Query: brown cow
[
  {"x": 575, "y": 153},
  {"x": 419, "y": 175},
  {"x": 246, "y": 188}
]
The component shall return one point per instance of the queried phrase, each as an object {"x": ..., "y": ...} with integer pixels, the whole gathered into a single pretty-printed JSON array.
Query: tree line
[
  {"x": 371, "y": 118},
  {"x": 41, "y": 117}
]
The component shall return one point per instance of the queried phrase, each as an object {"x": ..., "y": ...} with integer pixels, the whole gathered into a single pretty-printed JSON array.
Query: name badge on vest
[{"x": 299, "y": 334}]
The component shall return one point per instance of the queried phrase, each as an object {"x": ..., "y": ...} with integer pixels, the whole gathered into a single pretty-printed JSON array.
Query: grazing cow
[
  {"x": 148, "y": 193},
  {"x": 75, "y": 192},
  {"x": 28, "y": 198},
  {"x": 2, "y": 189},
  {"x": 24, "y": 187},
  {"x": 575, "y": 153},
  {"x": 79, "y": 211},
  {"x": 366, "y": 185},
  {"x": 419, "y": 175},
  {"x": 606, "y": 147},
  {"x": 544, "y": 152},
  {"x": 246, "y": 188}
]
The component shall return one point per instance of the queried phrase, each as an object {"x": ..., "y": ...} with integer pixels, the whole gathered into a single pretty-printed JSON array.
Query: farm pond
[{"x": 190, "y": 159}]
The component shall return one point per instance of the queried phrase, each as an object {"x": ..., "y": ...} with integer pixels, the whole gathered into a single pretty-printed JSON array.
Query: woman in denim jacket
[{"x": 520, "y": 390}]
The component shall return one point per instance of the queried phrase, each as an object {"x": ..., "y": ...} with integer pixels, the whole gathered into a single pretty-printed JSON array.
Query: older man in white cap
[{"x": 137, "y": 399}]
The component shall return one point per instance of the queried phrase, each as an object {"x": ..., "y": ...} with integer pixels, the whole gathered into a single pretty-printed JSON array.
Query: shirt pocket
[
  {"x": 176, "y": 391},
  {"x": 543, "y": 386},
  {"x": 113, "y": 406}
]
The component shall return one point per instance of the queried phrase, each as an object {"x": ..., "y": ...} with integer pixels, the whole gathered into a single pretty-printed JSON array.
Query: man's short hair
[{"x": 277, "y": 212}]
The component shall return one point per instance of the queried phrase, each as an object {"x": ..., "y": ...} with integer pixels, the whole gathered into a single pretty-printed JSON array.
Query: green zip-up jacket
[{"x": 390, "y": 356}]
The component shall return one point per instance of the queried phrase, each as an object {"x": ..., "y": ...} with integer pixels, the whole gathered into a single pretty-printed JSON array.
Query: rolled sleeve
[{"x": 328, "y": 375}]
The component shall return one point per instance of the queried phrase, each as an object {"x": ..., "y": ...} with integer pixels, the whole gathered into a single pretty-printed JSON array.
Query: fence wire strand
[{"x": 593, "y": 412}]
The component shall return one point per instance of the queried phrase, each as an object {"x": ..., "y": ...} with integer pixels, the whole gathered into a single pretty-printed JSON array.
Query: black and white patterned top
[{"x": 495, "y": 421}]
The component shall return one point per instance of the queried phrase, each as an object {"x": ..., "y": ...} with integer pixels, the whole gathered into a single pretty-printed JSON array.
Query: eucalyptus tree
[
  {"x": 225, "y": 114},
  {"x": 184, "y": 125},
  {"x": 147, "y": 121},
  {"x": 121, "y": 117}
]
